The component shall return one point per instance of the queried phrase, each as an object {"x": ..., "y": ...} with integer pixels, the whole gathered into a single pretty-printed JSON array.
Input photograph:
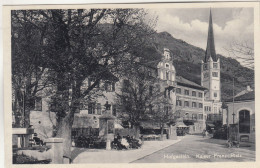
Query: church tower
[{"x": 210, "y": 68}]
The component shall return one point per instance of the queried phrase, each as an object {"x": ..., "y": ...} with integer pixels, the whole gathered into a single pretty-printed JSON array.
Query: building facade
[
  {"x": 190, "y": 102},
  {"x": 241, "y": 113}
]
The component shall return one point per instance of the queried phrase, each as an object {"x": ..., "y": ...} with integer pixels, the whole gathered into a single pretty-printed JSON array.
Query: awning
[
  {"x": 211, "y": 125},
  {"x": 182, "y": 126}
]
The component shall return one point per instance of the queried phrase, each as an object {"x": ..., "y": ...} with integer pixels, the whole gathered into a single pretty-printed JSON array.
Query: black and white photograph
[{"x": 136, "y": 83}]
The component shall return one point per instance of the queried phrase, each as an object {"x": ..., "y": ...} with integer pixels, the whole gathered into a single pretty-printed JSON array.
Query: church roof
[
  {"x": 210, "y": 51},
  {"x": 187, "y": 83}
]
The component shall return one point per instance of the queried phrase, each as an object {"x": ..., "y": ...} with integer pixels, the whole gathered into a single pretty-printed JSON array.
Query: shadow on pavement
[{"x": 222, "y": 142}]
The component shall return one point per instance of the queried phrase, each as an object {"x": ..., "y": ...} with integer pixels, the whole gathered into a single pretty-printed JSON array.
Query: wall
[{"x": 43, "y": 121}]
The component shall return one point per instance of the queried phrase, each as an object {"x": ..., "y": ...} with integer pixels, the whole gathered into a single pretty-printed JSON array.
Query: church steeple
[
  {"x": 210, "y": 51},
  {"x": 210, "y": 68}
]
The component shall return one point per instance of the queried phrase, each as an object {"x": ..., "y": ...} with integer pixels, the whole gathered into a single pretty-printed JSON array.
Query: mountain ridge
[{"x": 187, "y": 59}]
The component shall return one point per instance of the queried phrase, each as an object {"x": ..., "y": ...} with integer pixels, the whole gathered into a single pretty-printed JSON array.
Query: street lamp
[{"x": 224, "y": 106}]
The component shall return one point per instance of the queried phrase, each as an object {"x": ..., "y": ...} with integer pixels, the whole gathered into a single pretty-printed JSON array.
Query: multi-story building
[{"x": 189, "y": 104}]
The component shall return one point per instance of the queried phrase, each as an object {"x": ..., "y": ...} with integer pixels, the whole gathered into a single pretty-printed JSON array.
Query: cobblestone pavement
[{"x": 195, "y": 148}]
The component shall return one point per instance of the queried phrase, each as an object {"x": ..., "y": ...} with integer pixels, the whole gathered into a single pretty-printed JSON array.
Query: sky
[{"x": 191, "y": 25}]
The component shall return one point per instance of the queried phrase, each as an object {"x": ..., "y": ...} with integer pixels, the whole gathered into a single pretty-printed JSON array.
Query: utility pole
[{"x": 233, "y": 102}]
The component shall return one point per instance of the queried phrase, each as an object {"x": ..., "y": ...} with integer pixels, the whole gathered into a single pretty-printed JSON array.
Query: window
[
  {"x": 166, "y": 110},
  {"x": 178, "y": 103},
  {"x": 99, "y": 109},
  {"x": 215, "y": 94},
  {"x": 167, "y": 65},
  {"x": 215, "y": 74},
  {"x": 194, "y": 104},
  {"x": 186, "y": 104},
  {"x": 205, "y": 67},
  {"x": 194, "y": 116},
  {"x": 178, "y": 90},
  {"x": 167, "y": 75},
  {"x": 207, "y": 108},
  {"x": 110, "y": 86},
  {"x": 215, "y": 109},
  {"x": 38, "y": 104},
  {"x": 200, "y": 94},
  {"x": 82, "y": 106},
  {"x": 200, "y": 105},
  {"x": 91, "y": 108},
  {"x": 113, "y": 86},
  {"x": 193, "y": 93},
  {"x": 186, "y": 116},
  {"x": 114, "y": 110},
  {"x": 215, "y": 65},
  {"x": 200, "y": 116},
  {"x": 126, "y": 85},
  {"x": 107, "y": 106},
  {"x": 244, "y": 121},
  {"x": 186, "y": 92}
]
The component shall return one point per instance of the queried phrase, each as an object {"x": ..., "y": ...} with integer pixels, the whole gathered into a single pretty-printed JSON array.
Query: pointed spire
[{"x": 210, "y": 51}]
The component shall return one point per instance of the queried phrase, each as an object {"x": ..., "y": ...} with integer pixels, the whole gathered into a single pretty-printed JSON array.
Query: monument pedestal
[
  {"x": 107, "y": 129},
  {"x": 173, "y": 132}
]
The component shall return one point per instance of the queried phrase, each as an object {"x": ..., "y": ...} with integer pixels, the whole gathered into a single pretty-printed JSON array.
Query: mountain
[{"x": 187, "y": 59}]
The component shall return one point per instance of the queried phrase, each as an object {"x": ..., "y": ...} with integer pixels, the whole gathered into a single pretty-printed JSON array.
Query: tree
[
  {"x": 28, "y": 72},
  {"x": 84, "y": 43},
  {"x": 163, "y": 112},
  {"x": 243, "y": 52},
  {"x": 138, "y": 91}
]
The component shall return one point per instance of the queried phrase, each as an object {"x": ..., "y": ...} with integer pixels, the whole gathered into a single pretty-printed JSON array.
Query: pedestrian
[
  {"x": 203, "y": 133},
  {"x": 206, "y": 133}
]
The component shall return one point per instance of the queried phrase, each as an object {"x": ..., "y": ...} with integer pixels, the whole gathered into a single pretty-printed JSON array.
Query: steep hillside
[{"x": 187, "y": 59}]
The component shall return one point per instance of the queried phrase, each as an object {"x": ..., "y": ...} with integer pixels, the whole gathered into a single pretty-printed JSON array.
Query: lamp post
[
  {"x": 233, "y": 102},
  {"x": 224, "y": 106}
]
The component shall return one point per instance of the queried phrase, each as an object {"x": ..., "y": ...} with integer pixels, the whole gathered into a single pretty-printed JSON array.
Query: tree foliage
[{"x": 82, "y": 43}]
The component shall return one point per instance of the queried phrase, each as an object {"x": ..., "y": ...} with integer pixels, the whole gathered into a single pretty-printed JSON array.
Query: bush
[
  {"x": 23, "y": 159},
  {"x": 220, "y": 133}
]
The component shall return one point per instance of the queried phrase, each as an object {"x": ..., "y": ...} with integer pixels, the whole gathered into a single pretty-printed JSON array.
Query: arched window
[{"x": 244, "y": 121}]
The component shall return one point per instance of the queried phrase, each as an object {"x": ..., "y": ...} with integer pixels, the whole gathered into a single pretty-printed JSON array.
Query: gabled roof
[
  {"x": 210, "y": 51},
  {"x": 245, "y": 97},
  {"x": 187, "y": 83}
]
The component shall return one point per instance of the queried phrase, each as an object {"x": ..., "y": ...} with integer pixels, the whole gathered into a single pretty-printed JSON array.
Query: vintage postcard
[{"x": 167, "y": 83}]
